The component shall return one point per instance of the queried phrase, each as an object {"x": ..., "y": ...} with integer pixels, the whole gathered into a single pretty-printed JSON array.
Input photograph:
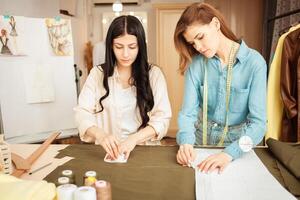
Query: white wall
[
  {"x": 95, "y": 33},
  {"x": 30, "y": 8},
  {"x": 80, "y": 35}
]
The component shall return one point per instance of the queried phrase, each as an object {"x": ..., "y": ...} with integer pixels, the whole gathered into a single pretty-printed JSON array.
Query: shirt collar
[{"x": 242, "y": 52}]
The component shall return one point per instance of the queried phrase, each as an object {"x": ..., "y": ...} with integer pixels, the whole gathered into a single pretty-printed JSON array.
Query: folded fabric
[
  {"x": 288, "y": 154},
  {"x": 291, "y": 183},
  {"x": 12, "y": 188}
]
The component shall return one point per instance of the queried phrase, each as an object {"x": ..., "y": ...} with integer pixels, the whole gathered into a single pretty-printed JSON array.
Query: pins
[
  {"x": 6, "y": 16},
  {"x": 57, "y": 18},
  {"x": 192, "y": 164}
]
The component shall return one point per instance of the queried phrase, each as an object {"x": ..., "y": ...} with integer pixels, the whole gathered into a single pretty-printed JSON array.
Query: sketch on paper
[
  {"x": 60, "y": 37},
  {"x": 13, "y": 23},
  {"x": 11, "y": 40},
  {"x": 4, "y": 41}
]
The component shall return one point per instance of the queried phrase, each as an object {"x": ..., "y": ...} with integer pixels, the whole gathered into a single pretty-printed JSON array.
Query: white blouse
[
  {"x": 121, "y": 115},
  {"x": 127, "y": 105}
]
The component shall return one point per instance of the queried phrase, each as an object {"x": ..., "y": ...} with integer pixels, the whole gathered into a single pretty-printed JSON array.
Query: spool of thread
[
  {"x": 63, "y": 180},
  {"x": 69, "y": 173},
  {"x": 90, "y": 177},
  {"x": 103, "y": 189},
  {"x": 66, "y": 191},
  {"x": 85, "y": 193}
]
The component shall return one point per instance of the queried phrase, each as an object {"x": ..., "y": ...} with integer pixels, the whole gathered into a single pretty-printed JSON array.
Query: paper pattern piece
[
  {"x": 12, "y": 42},
  {"x": 60, "y": 37},
  {"x": 121, "y": 159},
  {"x": 39, "y": 84},
  {"x": 26, "y": 150},
  {"x": 245, "y": 178}
]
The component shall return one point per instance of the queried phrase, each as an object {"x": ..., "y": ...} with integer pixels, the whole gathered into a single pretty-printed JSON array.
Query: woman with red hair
[{"x": 225, "y": 89}]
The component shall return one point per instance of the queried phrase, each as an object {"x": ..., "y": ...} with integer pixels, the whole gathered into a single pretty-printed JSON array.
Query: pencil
[{"x": 40, "y": 168}]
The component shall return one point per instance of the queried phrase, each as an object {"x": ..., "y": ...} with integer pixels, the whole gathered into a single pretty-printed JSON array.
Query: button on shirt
[
  {"x": 120, "y": 116},
  {"x": 247, "y": 99}
]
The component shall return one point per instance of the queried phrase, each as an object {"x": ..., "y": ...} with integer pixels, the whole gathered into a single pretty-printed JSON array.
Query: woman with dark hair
[
  {"x": 124, "y": 102},
  {"x": 225, "y": 89}
]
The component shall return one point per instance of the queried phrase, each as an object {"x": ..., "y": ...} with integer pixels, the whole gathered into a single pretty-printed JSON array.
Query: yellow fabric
[
  {"x": 12, "y": 188},
  {"x": 274, "y": 101}
]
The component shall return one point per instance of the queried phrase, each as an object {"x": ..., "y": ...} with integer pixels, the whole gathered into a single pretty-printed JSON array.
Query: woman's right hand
[
  {"x": 185, "y": 154},
  {"x": 110, "y": 144}
]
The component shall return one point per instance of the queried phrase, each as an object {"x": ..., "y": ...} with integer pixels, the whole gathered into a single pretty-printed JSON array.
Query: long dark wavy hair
[{"x": 140, "y": 68}]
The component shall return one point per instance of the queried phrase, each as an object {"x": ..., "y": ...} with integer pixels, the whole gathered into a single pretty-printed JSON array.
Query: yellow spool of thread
[{"x": 90, "y": 178}]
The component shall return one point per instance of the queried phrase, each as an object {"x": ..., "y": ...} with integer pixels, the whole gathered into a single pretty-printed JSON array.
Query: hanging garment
[
  {"x": 290, "y": 87},
  {"x": 274, "y": 101}
]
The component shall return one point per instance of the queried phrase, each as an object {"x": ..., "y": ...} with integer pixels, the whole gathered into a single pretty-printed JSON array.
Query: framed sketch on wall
[{"x": 108, "y": 17}]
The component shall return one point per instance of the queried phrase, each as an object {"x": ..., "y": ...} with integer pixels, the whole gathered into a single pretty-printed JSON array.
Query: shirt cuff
[
  {"x": 180, "y": 139},
  {"x": 84, "y": 125},
  {"x": 159, "y": 129},
  {"x": 233, "y": 150}
]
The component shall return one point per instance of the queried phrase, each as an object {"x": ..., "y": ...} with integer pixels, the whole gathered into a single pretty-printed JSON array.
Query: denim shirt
[{"x": 247, "y": 98}]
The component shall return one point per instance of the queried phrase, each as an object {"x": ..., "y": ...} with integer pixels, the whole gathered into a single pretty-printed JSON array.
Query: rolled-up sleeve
[
  {"x": 85, "y": 116},
  {"x": 161, "y": 113}
]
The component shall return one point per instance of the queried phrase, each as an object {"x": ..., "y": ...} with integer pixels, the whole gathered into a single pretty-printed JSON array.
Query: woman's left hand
[
  {"x": 217, "y": 161},
  {"x": 127, "y": 146}
]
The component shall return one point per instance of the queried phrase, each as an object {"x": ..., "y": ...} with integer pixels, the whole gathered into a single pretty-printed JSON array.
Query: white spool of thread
[
  {"x": 85, "y": 193},
  {"x": 66, "y": 192},
  {"x": 63, "y": 180}
]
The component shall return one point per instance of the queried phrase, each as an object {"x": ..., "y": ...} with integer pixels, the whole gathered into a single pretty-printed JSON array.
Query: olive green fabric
[
  {"x": 288, "y": 163},
  {"x": 288, "y": 154},
  {"x": 268, "y": 160},
  {"x": 291, "y": 183},
  {"x": 150, "y": 173}
]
